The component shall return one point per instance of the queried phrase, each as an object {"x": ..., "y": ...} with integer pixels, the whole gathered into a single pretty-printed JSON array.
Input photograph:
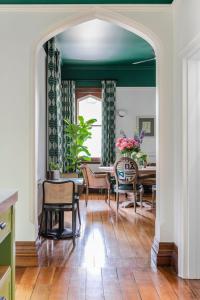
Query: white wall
[
  {"x": 23, "y": 27},
  {"x": 187, "y": 39},
  {"x": 41, "y": 123},
  {"x": 136, "y": 101}
]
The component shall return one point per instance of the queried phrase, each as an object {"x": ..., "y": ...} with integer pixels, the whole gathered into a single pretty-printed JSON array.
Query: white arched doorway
[{"x": 164, "y": 228}]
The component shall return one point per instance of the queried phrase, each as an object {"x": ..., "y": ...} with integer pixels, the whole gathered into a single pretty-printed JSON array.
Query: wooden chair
[
  {"x": 59, "y": 197},
  {"x": 95, "y": 181},
  {"x": 126, "y": 176}
]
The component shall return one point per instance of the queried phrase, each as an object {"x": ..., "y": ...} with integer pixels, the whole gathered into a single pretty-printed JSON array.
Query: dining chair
[
  {"x": 59, "y": 197},
  {"x": 126, "y": 176},
  {"x": 95, "y": 181}
]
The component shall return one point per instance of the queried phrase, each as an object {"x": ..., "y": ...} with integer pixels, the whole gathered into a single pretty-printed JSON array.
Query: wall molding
[
  {"x": 27, "y": 254},
  {"x": 107, "y": 67},
  {"x": 73, "y": 7},
  {"x": 164, "y": 254}
]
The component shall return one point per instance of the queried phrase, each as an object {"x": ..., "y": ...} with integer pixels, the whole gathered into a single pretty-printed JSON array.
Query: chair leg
[
  {"x": 141, "y": 196},
  {"x": 106, "y": 197},
  {"x": 87, "y": 194},
  {"x": 109, "y": 197},
  {"x": 79, "y": 216},
  {"x": 153, "y": 196},
  {"x": 46, "y": 222},
  {"x": 74, "y": 226},
  {"x": 117, "y": 196},
  {"x": 50, "y": 220},
  {"x": 135, "y": 201},
  {"x": 61, "y": 222},
  {"x": 41, "y": 222}
]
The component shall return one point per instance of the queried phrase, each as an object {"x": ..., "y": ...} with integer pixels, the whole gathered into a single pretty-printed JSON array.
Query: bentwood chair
[
  {"x": 95, "y": 181},
  {"x": 126, "y": 176},
  {"x": 59, "y": 197}
]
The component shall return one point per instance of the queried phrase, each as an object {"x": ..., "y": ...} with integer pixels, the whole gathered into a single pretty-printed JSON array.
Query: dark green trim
[
  {"x": 85, "y": 2},
  {"x": 91, "y": 76}
]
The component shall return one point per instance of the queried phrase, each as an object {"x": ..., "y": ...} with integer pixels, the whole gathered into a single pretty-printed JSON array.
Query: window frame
[{"x": 81, "y": 94}]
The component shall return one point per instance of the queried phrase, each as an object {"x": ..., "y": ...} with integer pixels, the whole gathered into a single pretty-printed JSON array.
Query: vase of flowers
[
  {"x": 130, "y": 147},
  {"x": 127, "y": 146}
]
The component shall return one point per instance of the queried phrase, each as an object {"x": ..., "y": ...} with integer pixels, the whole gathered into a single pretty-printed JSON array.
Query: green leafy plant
[
  {"x": 53, "y": 166},
  {"x": 77, "y": 135},
  {"x": 140, "y": 157}
]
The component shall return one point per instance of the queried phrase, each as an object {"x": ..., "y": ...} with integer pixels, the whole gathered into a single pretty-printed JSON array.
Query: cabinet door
[
  {"x": 5, "y": 286},
  {"x": 5, "y": 224}
]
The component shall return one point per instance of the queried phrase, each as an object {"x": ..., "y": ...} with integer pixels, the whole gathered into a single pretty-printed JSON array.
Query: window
[{"x": 90, "y": 107}]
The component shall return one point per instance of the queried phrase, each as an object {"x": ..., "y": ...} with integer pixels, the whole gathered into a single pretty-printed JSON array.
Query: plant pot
[{"x": 55, "y": 175}]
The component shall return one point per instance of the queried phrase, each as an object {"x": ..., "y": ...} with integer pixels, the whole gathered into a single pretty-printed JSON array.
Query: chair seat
[
  {"x": 127, "y": 188},
  {"x": 59, "y": 206}
]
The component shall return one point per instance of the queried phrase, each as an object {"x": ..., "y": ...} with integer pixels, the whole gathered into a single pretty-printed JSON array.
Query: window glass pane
[
  {"x": 90, "y": 108},
  {"x": 94, "y": 144}
]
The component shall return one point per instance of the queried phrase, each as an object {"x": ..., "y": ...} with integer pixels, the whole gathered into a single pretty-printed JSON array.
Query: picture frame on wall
[{"x": 147, "y": 124}]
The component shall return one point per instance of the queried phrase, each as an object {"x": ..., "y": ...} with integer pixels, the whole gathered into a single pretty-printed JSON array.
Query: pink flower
[{"x": 127, "y": 144}]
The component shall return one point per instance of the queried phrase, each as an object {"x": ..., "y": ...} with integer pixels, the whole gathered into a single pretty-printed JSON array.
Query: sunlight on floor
[{"x": 95, "y": 252}]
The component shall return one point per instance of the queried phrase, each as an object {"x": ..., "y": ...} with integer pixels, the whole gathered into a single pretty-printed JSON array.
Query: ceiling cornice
[
  {"x": 106, "y": 67},
  {"x": 73, "y": 7},
  {"x": 174, "y": 3}
]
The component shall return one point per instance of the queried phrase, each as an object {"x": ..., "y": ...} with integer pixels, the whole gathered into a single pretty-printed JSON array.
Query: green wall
[{"x": 124, "y": 75}]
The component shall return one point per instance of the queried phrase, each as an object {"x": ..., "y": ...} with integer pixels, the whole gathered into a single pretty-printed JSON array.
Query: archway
[{"x": 152, "y": 39}]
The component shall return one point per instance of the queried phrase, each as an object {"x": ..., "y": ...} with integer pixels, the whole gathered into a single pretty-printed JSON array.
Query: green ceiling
[
  {"x": 98, "y": 42},
  {"x": 97, "y": 50},
  {"x": 86, "y": 1}
]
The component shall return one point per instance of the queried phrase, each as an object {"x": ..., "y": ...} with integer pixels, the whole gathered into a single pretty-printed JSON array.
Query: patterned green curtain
[
  {"x": 55, "y": 126},
  {"x": 108, "y": 154},
  {"x": 68, "y": 112}
]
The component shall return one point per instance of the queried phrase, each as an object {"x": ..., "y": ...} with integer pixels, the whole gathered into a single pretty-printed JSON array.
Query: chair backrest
[
  {"x": 85, "y": 176},
  {"x": 58, "y": 192},
  {"x": 126, "y": 171},
  {"x": 88, "y": 175}
]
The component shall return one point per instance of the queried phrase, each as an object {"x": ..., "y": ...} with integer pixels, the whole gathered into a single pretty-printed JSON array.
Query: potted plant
[
  {"x": 54, "y": 170},
  {"x": 77, "y": 135}
]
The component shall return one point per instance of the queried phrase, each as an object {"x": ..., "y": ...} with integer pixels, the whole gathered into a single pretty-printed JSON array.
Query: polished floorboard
[{"x": 111, "y": 261}]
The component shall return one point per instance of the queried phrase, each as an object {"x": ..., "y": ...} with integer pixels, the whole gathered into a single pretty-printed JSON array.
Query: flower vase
[{"x": 126, "y": 155}]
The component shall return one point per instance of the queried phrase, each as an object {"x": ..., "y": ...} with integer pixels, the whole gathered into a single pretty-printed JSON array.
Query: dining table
[{"x": 141, "y": 170}]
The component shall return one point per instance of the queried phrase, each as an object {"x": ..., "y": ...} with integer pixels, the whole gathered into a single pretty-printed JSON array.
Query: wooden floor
[{"x": 111, "y": 261}]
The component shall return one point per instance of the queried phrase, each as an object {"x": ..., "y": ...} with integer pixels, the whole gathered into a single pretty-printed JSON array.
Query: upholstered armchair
[{"x": 95, "y": 181}]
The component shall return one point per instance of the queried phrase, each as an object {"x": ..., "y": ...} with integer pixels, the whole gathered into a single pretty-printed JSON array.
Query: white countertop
[{"x": 6, "y": 195}]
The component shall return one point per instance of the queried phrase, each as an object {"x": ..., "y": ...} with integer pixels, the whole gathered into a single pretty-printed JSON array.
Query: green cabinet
[
  {"x": 5, "y": 283},
  {"x": 7, "y": 244}
]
